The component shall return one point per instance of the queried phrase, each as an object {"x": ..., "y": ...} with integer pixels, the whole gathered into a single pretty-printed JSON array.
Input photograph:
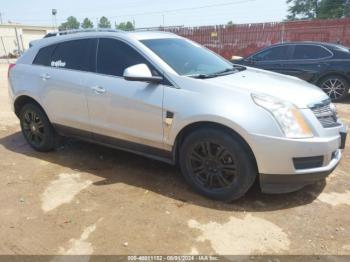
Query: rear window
[
  {"x": 44, "y": 56},
  {"x": 310, "y": 52},
  {"x": 77, "y": 55}
]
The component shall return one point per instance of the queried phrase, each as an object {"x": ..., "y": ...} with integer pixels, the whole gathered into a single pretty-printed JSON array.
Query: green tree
[
  {"x": 333, "y": 9},
  {"x": 128, "y": 26},
  {"x": 87, "y": 23},
  {"x": 104, "y": 23},
  {"x": 303, "y": 9},
  {"x": 318, "y": 9},
  {"x": 71, "y": 23}
]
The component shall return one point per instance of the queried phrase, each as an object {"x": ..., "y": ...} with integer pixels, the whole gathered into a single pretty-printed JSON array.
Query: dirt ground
[{"x": 87, "y": 199}]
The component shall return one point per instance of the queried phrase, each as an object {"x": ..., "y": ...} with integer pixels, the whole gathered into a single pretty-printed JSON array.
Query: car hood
[{"x": 287, "y": 88}]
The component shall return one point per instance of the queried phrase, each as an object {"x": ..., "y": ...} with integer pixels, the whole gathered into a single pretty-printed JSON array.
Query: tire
[
  {"x": 224, "y": 172},
  {"x": 36, "y": 128},
  {"x": 336, "y": 87}
]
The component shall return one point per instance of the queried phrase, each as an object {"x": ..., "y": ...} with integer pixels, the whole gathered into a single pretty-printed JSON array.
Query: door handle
[
  {"x": 45, "y": 77},
  {"x": 98, "y": 90}
]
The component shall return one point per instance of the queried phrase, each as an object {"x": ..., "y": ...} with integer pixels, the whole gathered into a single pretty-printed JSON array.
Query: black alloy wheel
[
  {"x": 33, "y": 128},
  {"x": 217, "y": 164},
  {"x": 36, "y": 128},
  {"x": 213, "y": 166}
]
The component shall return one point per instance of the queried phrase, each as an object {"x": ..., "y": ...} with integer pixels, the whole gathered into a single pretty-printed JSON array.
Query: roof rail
[{"x": 75, "y": 31}]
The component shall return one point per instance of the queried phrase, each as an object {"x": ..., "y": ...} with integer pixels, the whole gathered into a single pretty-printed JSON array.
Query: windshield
[
  {"x": 188, "y": 58},
  {"x": 342, "y": 48}
]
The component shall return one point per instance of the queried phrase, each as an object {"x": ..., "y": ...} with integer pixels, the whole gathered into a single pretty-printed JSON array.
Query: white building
[{"x": 15, "y": 38}]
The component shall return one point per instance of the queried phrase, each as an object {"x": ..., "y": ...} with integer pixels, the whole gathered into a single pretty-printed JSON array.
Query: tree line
[
  {"x": 73, "y": 23},
  {"x": 298, "y": 10},
  {"x": 318, "y": 9}
]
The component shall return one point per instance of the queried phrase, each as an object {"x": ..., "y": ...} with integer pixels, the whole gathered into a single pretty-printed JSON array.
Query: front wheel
[
  {"x": 336, "y": 87},
  {"x": 36, "y": 128},
  {"x": 217, "y": 164}
]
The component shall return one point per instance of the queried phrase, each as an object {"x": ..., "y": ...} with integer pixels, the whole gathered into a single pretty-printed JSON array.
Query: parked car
[
  {"x": 323, "y": 64},
  {"x": 170, "y": 99}
]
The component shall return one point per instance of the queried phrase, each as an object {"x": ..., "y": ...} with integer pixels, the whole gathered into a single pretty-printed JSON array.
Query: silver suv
[{"x": 168, "y": 98}]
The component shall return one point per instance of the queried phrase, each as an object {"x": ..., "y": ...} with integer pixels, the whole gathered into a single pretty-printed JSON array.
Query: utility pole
[
  {"x": 18, "y": 42},
  {"x": 1, "y": 18}
]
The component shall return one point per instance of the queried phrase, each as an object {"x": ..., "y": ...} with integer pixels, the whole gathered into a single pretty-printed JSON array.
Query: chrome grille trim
[{"x": 325, "y": 114}]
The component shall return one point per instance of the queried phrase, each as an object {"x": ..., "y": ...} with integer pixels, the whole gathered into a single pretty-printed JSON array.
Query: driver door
[{"x": 128, "y": 111}]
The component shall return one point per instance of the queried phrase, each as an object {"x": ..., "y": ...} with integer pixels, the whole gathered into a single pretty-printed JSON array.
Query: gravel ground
[{"x": 87, "y": 199}]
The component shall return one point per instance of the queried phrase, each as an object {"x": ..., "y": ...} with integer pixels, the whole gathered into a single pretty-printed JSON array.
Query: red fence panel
[{"x": 244, "y": 39}]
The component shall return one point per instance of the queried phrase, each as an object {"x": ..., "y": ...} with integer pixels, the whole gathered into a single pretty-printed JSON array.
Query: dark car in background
[{"x": 323, "y": 64}]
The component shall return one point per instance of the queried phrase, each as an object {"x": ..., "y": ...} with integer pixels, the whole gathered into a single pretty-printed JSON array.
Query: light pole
[{"x": 54, "y": 21}]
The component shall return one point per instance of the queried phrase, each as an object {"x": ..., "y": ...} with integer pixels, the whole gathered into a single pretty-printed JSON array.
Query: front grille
[{"x": 325, "y": 114}]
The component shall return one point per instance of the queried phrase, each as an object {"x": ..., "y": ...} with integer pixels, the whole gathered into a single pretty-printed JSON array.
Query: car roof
[
  {"x": 331, "y": 45},
  {"x": 52, "y": 38}
]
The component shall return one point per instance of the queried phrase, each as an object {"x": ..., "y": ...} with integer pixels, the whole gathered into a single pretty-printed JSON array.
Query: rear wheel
[
  {"x": 336, "y": 87},
  {"x": 36, "y": 128},
  {"x": 217, "y": 164}
]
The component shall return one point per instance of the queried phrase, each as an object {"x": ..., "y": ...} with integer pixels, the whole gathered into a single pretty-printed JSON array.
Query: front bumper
[
  {"x": 274, "y": 155},
  {"x": 280, "y": 184},
  {"x": 278, "y": 170}
]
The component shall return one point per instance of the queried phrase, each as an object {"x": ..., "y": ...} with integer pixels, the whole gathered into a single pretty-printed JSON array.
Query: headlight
[{"x": 286, "y": 114}]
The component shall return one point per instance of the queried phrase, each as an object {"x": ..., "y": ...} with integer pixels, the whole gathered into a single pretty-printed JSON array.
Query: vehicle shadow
[
  {"x": 115, "y": 166},
  {"x": 345, "y": 101}
]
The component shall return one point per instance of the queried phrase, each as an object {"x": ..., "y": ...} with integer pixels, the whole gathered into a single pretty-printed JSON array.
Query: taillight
[{"x": 9, "y": 69}]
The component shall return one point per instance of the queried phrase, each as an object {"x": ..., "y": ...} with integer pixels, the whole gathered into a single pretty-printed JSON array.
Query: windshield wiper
[
  {"x": 227, "y": 71},
  {"x": 200, "y": 76}
]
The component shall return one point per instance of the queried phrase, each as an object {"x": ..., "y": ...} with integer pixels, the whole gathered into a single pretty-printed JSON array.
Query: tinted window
[
  {"x": 187, "y": 58},
  {"x": 44, "y": 56},
  {"x": 341, "y": 48},
  {"x": 77, "y": 55},
  {"x": 115, "y": 56},
  {"x": 273, "y": 54},
  {"x": 310, "y": 52}
]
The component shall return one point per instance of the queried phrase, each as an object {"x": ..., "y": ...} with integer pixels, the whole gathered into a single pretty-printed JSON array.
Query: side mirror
[{"x": 142, "y": 73}]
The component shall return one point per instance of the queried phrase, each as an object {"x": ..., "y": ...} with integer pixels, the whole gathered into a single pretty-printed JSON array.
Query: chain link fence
[{"x": 244, "y": 39}]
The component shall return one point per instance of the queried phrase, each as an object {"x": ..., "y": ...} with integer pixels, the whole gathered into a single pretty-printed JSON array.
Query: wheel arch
[
  {"x": 332, "y": 73},
  {"x": 23, "y": 100},
  {"x": 190, "y": 128}
]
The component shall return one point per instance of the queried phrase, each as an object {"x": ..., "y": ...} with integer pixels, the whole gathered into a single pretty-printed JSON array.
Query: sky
[{"x": 146, "y": 13}]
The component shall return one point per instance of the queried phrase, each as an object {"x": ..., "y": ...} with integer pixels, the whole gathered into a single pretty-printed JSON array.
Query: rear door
[
  {"x": 307, "y": 61},
  {"x": 62, "y": 79},
  {"x": 271, "y": 59}
]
